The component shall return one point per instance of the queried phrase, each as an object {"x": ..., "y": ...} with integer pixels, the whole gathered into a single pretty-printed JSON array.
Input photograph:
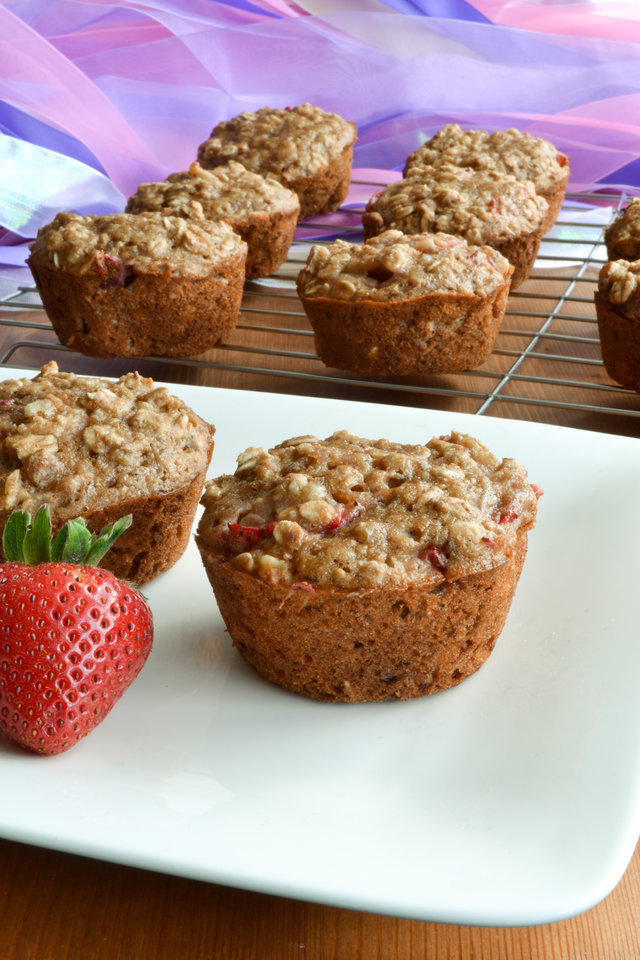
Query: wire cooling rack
[{"x": 546, "y": 365}]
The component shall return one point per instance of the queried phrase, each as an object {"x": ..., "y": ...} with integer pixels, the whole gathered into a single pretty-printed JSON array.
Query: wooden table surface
[{"x": 56, "y": 906}]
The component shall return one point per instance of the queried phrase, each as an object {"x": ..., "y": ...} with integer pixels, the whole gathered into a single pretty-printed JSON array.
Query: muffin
[
  {"x": 101, "y": 449},
  {"x": 127, "y": 285},
  {"x": 354, "y": 570},
  {"x": 304, "y": 148},
  {"x": 618, "y": 310},
  {"x": 483, "y": 207},
  {"x": 260, "y": 210},
  {"x": 622, "y": 237},
  {"x": 510, "y": 151},
  {"x": 397, "y": 304}
]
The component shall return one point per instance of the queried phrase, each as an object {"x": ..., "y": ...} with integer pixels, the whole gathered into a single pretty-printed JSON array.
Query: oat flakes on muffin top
[
  {"x": 619, "y": 283},
  {"x": 396, "y": 266},
  {"x": 483, "y": 207},
  {"x": 78, "y": 443},
  {"x": 152, "y": 243},
  {"x": 348, "y": 513},
  {"x": 230, "y": 192},
  {"x": 285, "y": 143},
  {"x": 506, "y": 151}
]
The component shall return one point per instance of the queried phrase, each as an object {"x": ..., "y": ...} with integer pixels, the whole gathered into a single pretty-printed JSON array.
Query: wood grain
[{"x": 56, "y": 906}]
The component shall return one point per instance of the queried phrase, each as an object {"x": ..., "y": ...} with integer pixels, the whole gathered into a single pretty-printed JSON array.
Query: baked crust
[
  {"x": 437, "y": 333},
  {"x": 619, "y": 343},
  {"x": 395, "y": 642},
  {"x": 161, "y": 316},
  {"x": 350, "y": 569},
  {"x": 426, "y": 303}
]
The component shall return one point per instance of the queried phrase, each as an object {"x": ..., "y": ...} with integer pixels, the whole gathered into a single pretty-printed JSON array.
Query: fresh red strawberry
[{"x": 72, "y": 636}]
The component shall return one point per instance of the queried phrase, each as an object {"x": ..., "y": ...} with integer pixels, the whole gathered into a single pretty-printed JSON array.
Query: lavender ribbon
[{"x": 125, "y": 91}]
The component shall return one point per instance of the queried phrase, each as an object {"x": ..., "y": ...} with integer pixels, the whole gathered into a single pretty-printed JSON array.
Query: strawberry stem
[{"x": 27, "y": 541}]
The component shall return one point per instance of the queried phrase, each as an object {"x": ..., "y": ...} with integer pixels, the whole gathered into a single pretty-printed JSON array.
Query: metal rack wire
[{"x": 546, "y": 364}]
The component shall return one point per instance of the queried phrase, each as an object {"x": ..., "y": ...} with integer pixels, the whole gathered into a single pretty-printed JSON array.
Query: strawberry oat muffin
[
  {"x": 353, "y": 570},
  {"x": 307, "y": 149},
  {"x": 101, "y": 449},
  {"x": 260, "y": 210},
  {"x": 483, "y": 207},
  {"x": 127, "y": 285},
  {"x": 618, "y": 310},
  {"x": 397, "y": 304},
  {"x": 510, "y": 151},
  {"x": 622, "y": 237}
]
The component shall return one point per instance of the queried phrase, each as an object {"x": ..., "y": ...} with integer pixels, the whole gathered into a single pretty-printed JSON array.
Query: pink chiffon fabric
[{"x": 103, "y": 95}]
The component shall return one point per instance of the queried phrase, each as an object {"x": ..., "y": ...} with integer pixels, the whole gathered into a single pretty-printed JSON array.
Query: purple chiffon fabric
[{"x": 101, "y": 95}]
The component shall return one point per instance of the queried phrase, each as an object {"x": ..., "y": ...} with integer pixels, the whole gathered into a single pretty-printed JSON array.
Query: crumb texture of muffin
[
  {"x": 483, "y": 207},
  {"x": 511, "y": 151},
  {"x": 100, "y": 449},
  {"x": 399, "y": 304},
  {"x": 127, "y": 284},
  {"x": 305, "y": 148},
  {"x": 260, "y": 209},
  {"x": 622, "y": 237},
  {"x": 617, "y": 302},
  {"x": 349, "y": 569}
]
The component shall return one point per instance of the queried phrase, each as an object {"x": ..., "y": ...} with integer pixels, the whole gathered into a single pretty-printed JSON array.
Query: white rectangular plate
[{"x": 512, "y": 799}]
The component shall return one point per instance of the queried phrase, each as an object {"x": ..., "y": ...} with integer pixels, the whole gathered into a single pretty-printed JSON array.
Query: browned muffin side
[
  {"x": 485, "y": 208},
  {"x": 618, "y": 310},
  {"x": 260, "y": 210},
  {"x": 398, "y": 304},
  {"x": 348, "y": 569},
  {"x": 100, "y": 449},
  {"x": 305, "y": 148},
  {"x": 126, "y": 285},
  {"x": 513, "y": 152},
  {"x": 622, "y": 237}
]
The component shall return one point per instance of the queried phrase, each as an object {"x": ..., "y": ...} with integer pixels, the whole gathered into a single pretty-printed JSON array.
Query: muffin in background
[
  {"x": 131, "y": 285},
  {"x": 617, "y": 302},
  {"x": 305, "y": 148},
  {"x": 399, "y": 305},
  {"x": 511, "y": 151},
  {"x": 260, "y": 210},
  {"x": 483, "y": 207},
  {"x": 101, "y": 449},
  {"x": 622, "y": 237},
  {"x": 354, "y": 570}
]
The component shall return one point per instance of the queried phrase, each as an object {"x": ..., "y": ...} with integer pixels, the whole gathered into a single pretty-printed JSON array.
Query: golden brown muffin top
[
  {"x": 353, "y": 514},
  {"x": 81, "y": 443},
  {"x": 483, "y": 207},
  {"x": 117, "y": 243},
  {"x": 505, "y": 151},
  {"x": 284, "y": 143},
  {"x": 393, "y": 266},
  {"x": 230, "y": 192},
  {"x": 619, "y": 283}
]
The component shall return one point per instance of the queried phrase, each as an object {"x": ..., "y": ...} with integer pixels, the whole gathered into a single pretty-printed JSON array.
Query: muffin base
[
  {"x": 619, "y": 344},
  {"x": 158, "y": 535},
  {"x": 521, "y": 252},
  {"x": 268, "y": 238},
  {"x": 150, "y": 314},
  {"x": 437, "y": 333},
  {"x": 326, "y": 190},
  {"x": 390, "y": 643},
  {"x": 555, "y": 198}
]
